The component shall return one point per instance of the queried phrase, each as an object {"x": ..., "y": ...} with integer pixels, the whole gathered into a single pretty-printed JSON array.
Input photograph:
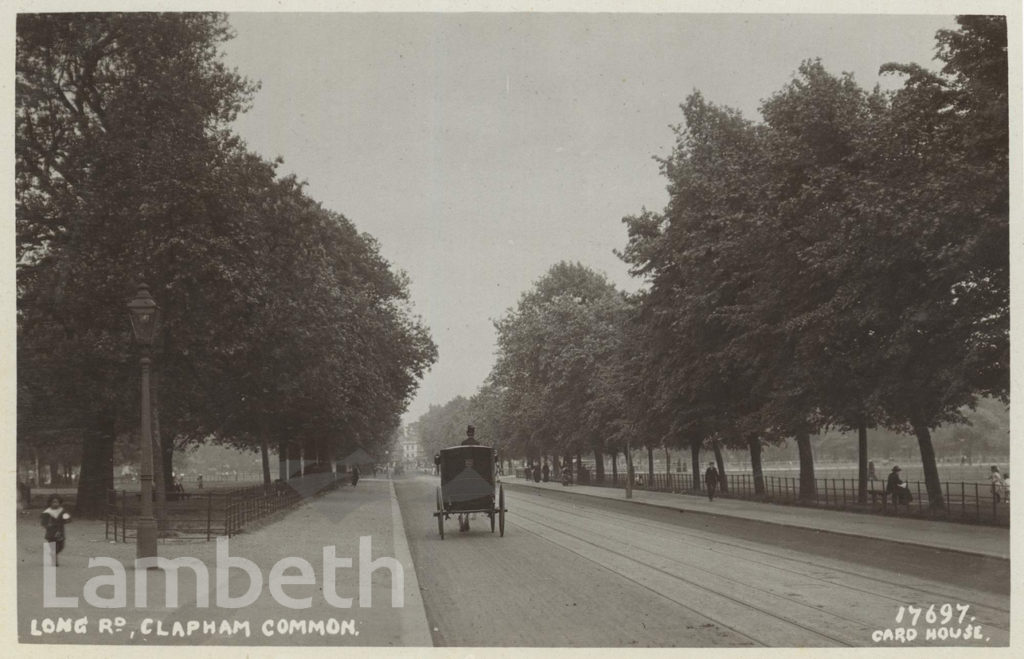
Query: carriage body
[{"x": 469, "y": 485}]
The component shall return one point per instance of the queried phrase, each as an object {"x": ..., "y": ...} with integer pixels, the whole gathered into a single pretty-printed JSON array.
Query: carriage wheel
[
  {"x": 440, "y": 515},
  {"x": 501, "y": 509}
]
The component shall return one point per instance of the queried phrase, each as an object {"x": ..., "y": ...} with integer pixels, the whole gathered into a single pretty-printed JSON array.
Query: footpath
[
  {"x": 318, "y": 574},
  {"x": 980, "y": 540}
]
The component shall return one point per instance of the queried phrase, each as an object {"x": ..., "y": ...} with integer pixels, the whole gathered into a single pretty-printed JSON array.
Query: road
[{"x": 578, "y": 571}]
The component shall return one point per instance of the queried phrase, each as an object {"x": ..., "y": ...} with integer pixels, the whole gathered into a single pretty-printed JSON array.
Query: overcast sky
[{"x": 481, "y": 149}]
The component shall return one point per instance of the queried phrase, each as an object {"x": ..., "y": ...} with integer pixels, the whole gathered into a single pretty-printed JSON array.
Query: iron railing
[
  {"x": 964, "y": 502},
  {"x": 207, "y": 514}
]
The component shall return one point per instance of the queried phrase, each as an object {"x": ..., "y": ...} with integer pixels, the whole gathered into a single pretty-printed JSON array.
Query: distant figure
[
  {"x": 536, "y": 473},
  {"x": 470, "y": 439},
  {"x": 53, "y": 520},
  {"x": 355, "y": 475},
  {"x": 545, "y": 472},
  {"x": 897, "y": 488},
  {"x": 998, "y": 485},
  {"x": 24, "y": 496},
  {"x": 711, "y": 480},
  {"x": 871, "y": 471},
  {"x": 1006, "y": 487},
  {"x": 437, "y": 463},
  {"x": 199, "y": 482}
]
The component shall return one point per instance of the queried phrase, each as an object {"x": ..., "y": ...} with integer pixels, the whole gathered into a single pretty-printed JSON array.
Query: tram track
[
  {"x": 738, "y": 608},
  {"x": 741, "y": 549},
  {"x": 581, "y": 525}
]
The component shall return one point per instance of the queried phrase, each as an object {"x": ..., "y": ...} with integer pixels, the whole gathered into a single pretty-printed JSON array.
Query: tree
[
  {"x": 102, "y": 145},
  {"x": 280, "y": 318},
  {"x": 948, "y": 299},
  {"x": 549, "y": 349}
]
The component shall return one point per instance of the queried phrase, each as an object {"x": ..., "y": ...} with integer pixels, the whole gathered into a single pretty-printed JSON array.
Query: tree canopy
[{"x": 281, "y": 321}]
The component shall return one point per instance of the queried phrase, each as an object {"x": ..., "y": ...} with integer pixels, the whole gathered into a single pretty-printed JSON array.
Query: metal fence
[
  {"x": 964, "y": 502},
  {"x": 204, "y": 515}
]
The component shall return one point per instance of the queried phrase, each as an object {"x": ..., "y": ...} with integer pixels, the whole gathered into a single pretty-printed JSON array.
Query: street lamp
[{"x": 145, "y": 314}]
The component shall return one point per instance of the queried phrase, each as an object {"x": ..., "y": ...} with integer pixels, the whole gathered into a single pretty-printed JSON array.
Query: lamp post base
[{"x": 146, "y": 540}]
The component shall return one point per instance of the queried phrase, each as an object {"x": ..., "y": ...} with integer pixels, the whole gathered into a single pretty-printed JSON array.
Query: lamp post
[{"x": 145, "y": 314}]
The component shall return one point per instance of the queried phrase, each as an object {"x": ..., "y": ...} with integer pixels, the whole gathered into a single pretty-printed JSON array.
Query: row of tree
[
  {"x": 843, "y": 263},
  {"x": 283, "y": 327}
]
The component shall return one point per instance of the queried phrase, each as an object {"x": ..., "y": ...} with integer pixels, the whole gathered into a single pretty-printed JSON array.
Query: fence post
[
  {"x": 963, "y": 501},
  {"x": 977, "y": 504},
  {"x": 227, "y": 515},
  {"x": 124, "y": 517},
  {"x": 209, "y": 514}
]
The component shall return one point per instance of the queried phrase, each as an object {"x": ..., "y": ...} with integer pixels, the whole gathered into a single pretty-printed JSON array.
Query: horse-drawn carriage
[{"x": 469, "y": 485}]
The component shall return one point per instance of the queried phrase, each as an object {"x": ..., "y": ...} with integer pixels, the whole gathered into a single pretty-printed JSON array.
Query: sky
[{"x": 481, "y": 149}]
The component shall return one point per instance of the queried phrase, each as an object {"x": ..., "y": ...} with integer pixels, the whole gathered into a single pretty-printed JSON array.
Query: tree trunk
[
  {"x": 54, "y": 474},
  {"x": 265, "y": 455},
  {"x": 862, "y": 463},
  {"x": 598, "y": 465},
  {"x": 695, "y": 463},
  {"x": 754, "y": 443},
  {"x": 282, "y": 460},
  {"x": 97, "y": 476},
  {"x": 650, "y": 467},
  {"x": 723, "y": 485},
  {"x": 629, "y": 471},
  {"x": 931, "y": 472},
  {"x": 808, "y": 488},
  {"x": 615, "y": 467}
]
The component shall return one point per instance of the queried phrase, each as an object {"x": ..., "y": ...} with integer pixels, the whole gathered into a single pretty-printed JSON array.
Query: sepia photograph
[{"x": 496, "y": 329}]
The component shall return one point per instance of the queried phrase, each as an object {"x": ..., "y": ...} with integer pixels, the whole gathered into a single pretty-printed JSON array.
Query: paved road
[{"x": 577, "y": 571}]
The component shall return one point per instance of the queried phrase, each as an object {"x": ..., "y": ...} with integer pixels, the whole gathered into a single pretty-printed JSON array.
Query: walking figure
[
  {"x": 355, "y": 475},
  {"x": 711, "y": 480},
  {"x": 53, "y": 520},
  {"x": 998, "y": 485}
]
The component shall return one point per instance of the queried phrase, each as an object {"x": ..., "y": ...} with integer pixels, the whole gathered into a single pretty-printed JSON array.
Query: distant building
[{"x": 412, "y": 451}]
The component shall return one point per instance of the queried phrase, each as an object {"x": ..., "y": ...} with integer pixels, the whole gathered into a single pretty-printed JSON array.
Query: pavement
[
  {"x": 980, "y": 540},
  {"x": 362, "y": 525}
]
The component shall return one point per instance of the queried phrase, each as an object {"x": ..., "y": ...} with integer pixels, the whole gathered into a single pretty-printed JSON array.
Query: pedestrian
[
  {"x": 199, "y": 482},
  {"x": 24, "y": 497},
  {"x": 536, "y": 473},
  {"x": 998, "y": 485},
  {"x": 355, "y": 475},
  {"x": 897, "y": 488},
  {"x": 545, "y": 472},
  {"x": 711, "y": 480},
  {"x": 53, "y": 520},
  {"x": 871, "y": 471}
]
